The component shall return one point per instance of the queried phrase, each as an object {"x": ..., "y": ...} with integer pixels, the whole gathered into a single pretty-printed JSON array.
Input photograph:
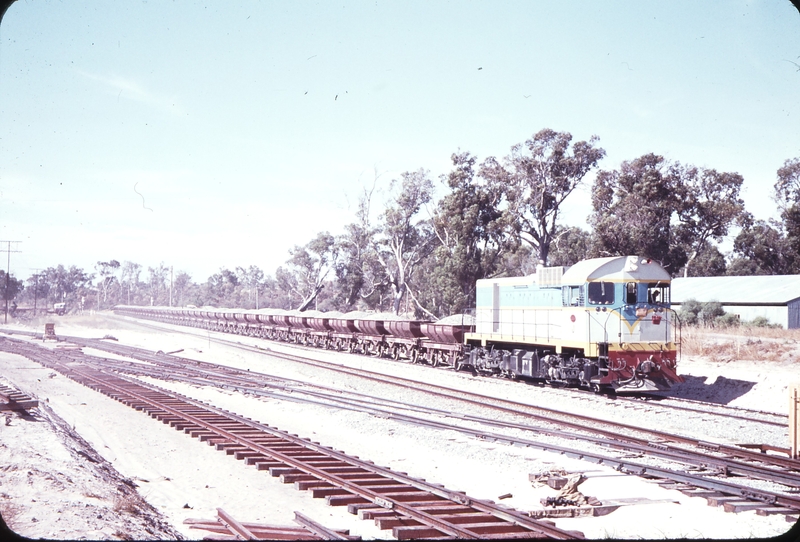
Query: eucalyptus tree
[
  {"x": 67, "y": 285},
  {"x": 186, "y": 292},
  {"x": 759, "y": 249},
  {"x": 633, "y": 208},
  {"x": 711, "y": 205},
  {"x": 36, "y": 290},
  {"x": 535, "y": 180},
  {"x": 570, "y": 245},
  {"x": 773, "y": 247},
  {"x": 404, "y": 239},
  {"x": 787, "y": 194},
  {"x": 663, "y": 210},
  {"x": 129, "y": 279},
  {"x": 251, "y": 281},
  {"x": 10, "y": 286},
  {"x": 470, "y": 239},
  {"x": 157, "y": 287},
  {"x": 308, "y": 269},
  {"x": 221, "y": 289},
  {"x": 107, "y": 271},
  {"x": 360, "y": 278}
]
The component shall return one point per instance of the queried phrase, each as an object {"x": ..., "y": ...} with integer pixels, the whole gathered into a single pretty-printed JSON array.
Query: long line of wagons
[{"x": 603, "y": 324}]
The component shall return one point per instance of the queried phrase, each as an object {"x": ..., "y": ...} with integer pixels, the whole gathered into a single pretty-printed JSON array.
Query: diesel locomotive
[{"x": 604, "y": 324}]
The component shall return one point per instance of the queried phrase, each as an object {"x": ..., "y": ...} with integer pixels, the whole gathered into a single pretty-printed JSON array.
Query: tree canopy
[
  {"x": 536, "y": 178},
  {"x": 663, "y": 210},
  {"x": 423, "y": 248}
]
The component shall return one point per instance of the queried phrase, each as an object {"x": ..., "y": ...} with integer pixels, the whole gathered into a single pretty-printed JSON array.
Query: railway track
[
  {"x": 604, "y": 427},
  {"x": 644, "y": 401},
  {"x": 412, "y": 508},
  {"x": 167, "y": 367},
  {"x": 708, "y": 480}
]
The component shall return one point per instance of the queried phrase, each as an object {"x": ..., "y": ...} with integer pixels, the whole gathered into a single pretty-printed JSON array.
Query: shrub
[
  {"x": 710, "y": 312},
  {"x": 727, "y": 320},
  {"x": 763, "y": 321},
  {"x": 689, "y": 311}
]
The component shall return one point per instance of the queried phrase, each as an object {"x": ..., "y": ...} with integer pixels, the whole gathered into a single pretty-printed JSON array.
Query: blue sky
[{"x": 207, "y": 135}]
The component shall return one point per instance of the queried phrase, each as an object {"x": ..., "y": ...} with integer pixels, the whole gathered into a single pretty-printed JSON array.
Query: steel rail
[
  {"x": 364, "y": 403},
  {"x": 619, "y": 465},
  {"x": 105, "y": 384},
  {"x": 374, "y": 496},
  {"x": 646, "y": 400},
  {"x": 584, "y": 422},
  {"x": 656, "y": 449},
  {"x": 773, "y": 460},
  {"x": 661, "y": 402}
]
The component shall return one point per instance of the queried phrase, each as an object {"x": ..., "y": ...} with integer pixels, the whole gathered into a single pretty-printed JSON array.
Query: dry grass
[
  {"x": 742, "y": 343},
  {"x": 126, "y": 504}
]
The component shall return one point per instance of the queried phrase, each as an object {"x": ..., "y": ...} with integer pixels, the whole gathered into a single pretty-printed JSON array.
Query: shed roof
[{"x": 756, "y": 289}]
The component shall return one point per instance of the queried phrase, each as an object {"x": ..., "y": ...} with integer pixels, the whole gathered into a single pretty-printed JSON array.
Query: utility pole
[
  {"x": 8, "y": 270},
  {"x": 170, "y": 285}
]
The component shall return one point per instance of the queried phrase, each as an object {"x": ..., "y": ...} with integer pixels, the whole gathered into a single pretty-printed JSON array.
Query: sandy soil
[{"x": 86, "y": 467}]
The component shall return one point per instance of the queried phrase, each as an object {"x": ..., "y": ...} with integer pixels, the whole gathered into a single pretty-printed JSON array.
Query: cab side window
[
  {"x": 658, "y": 293},
  {"x": 630, "y": 293},
  {"x": 601, "y": 293}
]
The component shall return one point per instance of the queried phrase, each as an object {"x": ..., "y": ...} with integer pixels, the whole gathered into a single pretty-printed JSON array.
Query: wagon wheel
[
  {"x": 395, "y": 353},
  {"x": 434, "y": 359},
  {"x": 414, "y": 355}
]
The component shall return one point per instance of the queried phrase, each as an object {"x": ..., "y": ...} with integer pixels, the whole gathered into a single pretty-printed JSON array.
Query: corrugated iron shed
[{"x": 752, "y": 290}]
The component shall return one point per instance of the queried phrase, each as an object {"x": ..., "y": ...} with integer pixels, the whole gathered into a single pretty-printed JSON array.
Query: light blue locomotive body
[{"x": 604, "y": 322}]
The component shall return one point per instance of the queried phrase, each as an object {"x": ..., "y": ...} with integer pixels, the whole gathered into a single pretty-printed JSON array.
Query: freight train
[{"x": 604, "y": 324}]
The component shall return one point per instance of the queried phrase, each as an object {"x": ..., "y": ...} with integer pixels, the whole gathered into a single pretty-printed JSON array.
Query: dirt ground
[{"x": 71, "y": 470}]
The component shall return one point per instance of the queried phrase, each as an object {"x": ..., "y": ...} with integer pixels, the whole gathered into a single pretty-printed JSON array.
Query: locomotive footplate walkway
[{"x": 412, "y": 508}]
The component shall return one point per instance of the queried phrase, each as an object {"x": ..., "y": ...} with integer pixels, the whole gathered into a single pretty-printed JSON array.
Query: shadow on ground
[{"x": 722, "y": 391}]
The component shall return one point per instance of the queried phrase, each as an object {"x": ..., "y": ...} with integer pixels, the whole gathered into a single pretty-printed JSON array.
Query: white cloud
[{"x": 132, "y": 90}]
